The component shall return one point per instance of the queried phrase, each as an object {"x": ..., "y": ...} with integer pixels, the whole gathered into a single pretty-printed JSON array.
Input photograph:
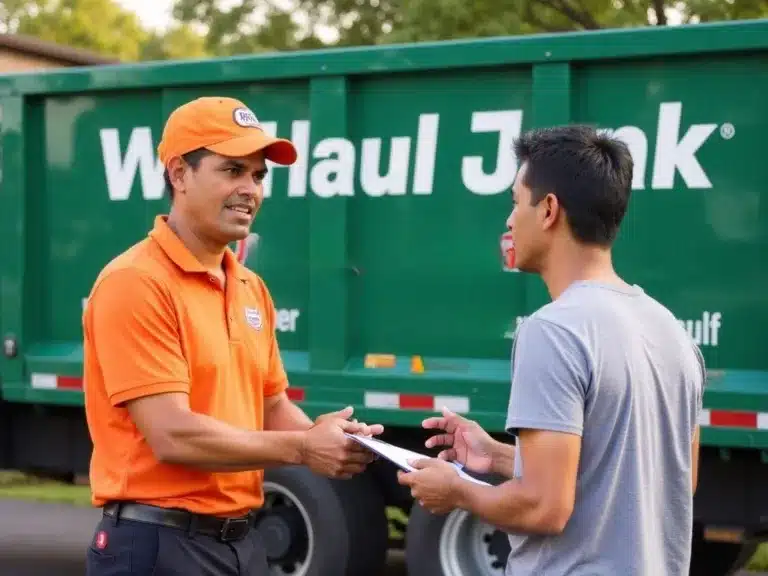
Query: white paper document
[{"x": 400, "y": 456}]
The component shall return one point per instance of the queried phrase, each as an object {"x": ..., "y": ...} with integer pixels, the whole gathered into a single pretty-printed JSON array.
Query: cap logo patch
[{"x": 245, "y": 118}]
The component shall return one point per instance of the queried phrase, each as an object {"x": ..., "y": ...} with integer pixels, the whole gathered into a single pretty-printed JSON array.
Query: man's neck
[
  {"x": 209, "y": 256},
  {"x": 573, "y": 263}
]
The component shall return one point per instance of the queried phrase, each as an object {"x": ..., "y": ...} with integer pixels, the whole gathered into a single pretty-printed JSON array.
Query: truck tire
[
  {"x": 365, "y": 513},
  {"x": 457, "y": 544},
  {"x": 314, "y": 526}
]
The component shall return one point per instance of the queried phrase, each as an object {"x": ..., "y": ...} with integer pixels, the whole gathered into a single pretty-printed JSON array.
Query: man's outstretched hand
[
  {"x": 465, "y": 441},
  {"x": 328, "y": 451}
]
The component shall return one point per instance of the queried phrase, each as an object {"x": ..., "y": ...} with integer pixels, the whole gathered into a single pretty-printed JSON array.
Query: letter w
[{"x": 121, "y": 172}]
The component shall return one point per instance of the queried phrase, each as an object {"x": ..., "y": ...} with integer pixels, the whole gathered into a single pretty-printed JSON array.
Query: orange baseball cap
[{"x": 224, "y": 126}]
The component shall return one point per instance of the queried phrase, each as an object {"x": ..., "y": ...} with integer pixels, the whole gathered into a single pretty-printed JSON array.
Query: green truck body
[{"x": 384, "y": 238}]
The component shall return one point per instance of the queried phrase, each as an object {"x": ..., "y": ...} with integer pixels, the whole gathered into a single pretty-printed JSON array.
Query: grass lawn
[{"x": 17, "y": 486}]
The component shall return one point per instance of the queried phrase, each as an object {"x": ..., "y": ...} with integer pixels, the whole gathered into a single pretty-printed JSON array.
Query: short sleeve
[
  {"x": 132, "y": 330},
  {"x": 700, "y": 383},
  {"x": 276, "y": 380},
  {"x": 550, "y": 377}
]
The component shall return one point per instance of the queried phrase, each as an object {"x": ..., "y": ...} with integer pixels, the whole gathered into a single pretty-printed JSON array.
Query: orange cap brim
[{"x": 277, "y": 150}]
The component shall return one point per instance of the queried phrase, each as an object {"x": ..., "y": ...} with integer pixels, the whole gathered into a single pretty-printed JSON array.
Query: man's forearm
[
  {"x": 503, "y": 459},
  {"x": 285, "y": 415},
  {"x": 200, "y": 441},
  {"x": 511, "y": 506}
]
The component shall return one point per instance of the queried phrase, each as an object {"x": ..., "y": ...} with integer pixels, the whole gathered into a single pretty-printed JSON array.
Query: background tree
[
  {"x": 181, "y": 41},
  {"x": 101, "y": 26},
  {"x": 204, "y": 28}
]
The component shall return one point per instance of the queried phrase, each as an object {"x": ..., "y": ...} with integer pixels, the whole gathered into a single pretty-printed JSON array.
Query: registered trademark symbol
[{"x": 727, "y": 131}]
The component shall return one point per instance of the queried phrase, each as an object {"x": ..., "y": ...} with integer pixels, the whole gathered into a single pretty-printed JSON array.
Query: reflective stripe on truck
[
  {"x": 433, "y": 403},
  {"x": 734, "y": 419},
  {"x": 393, "y": 400},
  {"x": 57, "y": 382}
]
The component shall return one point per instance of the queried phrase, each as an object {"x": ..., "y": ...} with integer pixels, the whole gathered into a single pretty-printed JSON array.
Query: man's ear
[
  {"x": 176, "y": 170},
  {"x": 551, "y": 209}
]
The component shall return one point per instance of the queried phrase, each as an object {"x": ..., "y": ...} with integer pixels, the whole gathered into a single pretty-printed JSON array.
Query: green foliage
[
  {"x": 179, "y": 42},
  {"x": 101, "y": 26},
  {"x": 205, "y": 28}
]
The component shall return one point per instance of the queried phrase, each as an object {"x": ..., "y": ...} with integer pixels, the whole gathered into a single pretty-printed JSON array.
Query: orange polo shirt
[{"x": 156, "y": 321}]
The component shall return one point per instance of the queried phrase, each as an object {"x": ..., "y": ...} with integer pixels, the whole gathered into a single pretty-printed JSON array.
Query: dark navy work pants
[{"x": 127, "y": 547}]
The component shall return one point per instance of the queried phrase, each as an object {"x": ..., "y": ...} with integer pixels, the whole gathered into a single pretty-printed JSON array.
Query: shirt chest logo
[{"x": 253, "y": 318}]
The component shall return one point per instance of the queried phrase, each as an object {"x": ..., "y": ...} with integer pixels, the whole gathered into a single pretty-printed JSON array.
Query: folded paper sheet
[{"x": 400, "y": 456}]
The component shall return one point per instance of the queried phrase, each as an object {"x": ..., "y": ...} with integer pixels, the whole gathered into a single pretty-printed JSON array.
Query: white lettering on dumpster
[
  {"x": 703, "y": 330},
  {"x": 285, "y": 319},
  {"x": 330, "y": 168},
  {"x": 508, "y": 123},
  {"x": 381, "y": 174},
  {"x": 121, "y": 170},
  {"x": 673, "y": 152},
  {"x": 511, "y": 331}
]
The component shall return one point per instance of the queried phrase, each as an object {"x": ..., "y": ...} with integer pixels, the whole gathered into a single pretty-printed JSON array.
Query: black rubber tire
[
  {"x": 326, "y": 513},
  {"x": 347, "y": 517},
  {"x": 367, "y": 525},
  {"x": 422, "y": 543}
]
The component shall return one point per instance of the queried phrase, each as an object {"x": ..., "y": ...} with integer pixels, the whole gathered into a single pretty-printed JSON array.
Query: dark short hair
[
  {"x": 588, "y": 171},
  {"x": 193, "y": 159}
]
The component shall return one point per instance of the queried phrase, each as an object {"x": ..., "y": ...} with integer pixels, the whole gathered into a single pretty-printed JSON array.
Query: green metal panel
[
  {"x": 699, "y": 246},
  {"x": 427, "y": 249},
  {"x": 384, "y": 237},
  {"x": 13, "y": 240},
  {"x": 551, "y": 106},
  {"x": 330, "y": 271}
]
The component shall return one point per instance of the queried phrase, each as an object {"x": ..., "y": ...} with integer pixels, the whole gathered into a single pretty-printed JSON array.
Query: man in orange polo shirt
[{"x": 184, "y": 387}]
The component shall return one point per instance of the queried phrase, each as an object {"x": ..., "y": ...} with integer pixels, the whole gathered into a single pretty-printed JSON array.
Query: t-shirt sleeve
[
  {"x": 132, "y": 328},
  {"x": 701, "y": 381},
  {"x": 550, "y": 378},
  {"x": 276, "y": 380}
]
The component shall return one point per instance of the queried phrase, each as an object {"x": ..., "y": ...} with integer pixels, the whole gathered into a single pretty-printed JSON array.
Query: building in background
[{"x": 20, "y": 53}]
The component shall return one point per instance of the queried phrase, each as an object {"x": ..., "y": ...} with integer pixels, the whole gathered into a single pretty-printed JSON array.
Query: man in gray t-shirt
[
  {"x": 605, "y": 395},
  {"x": 613, "y": 366}
]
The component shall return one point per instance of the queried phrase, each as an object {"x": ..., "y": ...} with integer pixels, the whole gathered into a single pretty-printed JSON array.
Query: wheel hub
[
  {"x": 285, "y": 530},
  {"x": 469, "y": 546},
  {"x": 498, "y": 548},
  {"x": 278, "y": 532}
]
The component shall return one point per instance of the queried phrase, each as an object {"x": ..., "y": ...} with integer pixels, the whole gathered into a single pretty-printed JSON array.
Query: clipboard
[{"x": 400, "y": 456}]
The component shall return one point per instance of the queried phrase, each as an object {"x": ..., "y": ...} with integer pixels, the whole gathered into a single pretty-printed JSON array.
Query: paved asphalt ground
[{"x": 38, "y": 539}]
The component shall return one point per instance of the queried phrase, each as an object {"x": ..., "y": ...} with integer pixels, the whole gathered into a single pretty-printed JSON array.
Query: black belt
[{"x": 224, "y": 529}]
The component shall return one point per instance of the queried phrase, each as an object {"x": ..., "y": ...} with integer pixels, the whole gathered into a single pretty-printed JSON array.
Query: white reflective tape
[
  {"x": 458, "y": 404},
  {"x": 44, "y": 381},
  {"x": 382, "y": 400},
  {"x": 704, "y": 418},
  {"x": 762, "y": 421}
]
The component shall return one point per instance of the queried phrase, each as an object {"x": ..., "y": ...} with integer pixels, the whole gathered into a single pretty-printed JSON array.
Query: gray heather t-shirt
[{"x": 614, "y": 366}]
